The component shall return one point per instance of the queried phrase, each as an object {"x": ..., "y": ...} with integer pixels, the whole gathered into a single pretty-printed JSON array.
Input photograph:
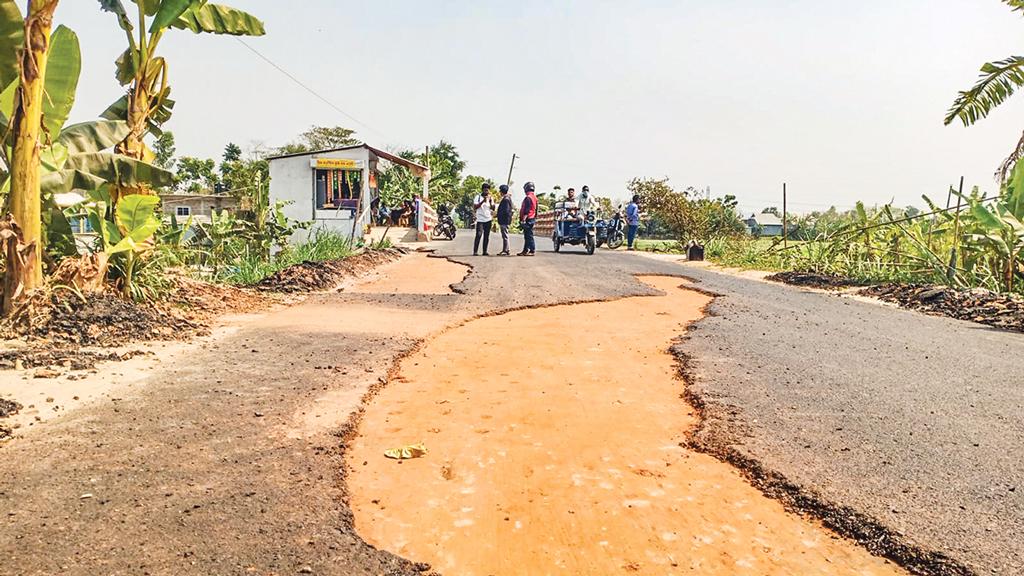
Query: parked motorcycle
[
  {"x": 445, "y": 227},
  {"x": 611, "y": 232}
]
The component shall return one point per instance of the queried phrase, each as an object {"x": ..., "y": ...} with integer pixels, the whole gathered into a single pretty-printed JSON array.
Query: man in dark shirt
[
  {"x": 527, "y": 218},
  {"x": 505, "y": 210}
]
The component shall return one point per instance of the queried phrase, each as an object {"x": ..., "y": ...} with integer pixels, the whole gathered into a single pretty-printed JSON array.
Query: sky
[{"x": 842, "y": 101}]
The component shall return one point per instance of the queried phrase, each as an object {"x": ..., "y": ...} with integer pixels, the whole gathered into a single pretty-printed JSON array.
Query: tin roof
[{"x": 415, "y": 167}]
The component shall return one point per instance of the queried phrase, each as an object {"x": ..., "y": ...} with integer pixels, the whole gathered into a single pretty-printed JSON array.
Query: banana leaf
[
  {"x": 60, "y": 181},
  {"x": 63, "y": 66},
  {"x": 985, "y": 217},
  {"x": 119, "y": 169},
  {"x": 218, "y": 19},
  {"x": 60, "y": 239},
  {"x": 136, "y": 221},
  {"x": 125, "y": 64},
  {"x": 12, "y": 36},
  {"x": 93, "y": 136},
  {"x": 117, "y": 7},
  {"x": 168, "y": 12},
  {"x": 1015, "y": 192}
]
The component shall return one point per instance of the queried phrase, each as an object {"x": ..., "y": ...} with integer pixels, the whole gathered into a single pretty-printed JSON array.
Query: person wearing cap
[
  {"x": 484, "y": 207},
  {"x": 505, "y": 209},
  {"x": 527, "y": 218}
]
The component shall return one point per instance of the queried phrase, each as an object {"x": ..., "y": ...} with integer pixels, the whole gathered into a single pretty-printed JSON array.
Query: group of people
[{"x": 485, "y": 211}]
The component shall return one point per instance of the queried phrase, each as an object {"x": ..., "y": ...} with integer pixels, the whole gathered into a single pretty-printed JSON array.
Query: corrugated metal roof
[
  {"x": 766, "y": 219},
  {"x": 415, "y": 167}
]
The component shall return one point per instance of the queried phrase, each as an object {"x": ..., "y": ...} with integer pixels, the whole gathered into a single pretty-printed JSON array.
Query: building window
[
  {"x": 182, "y": 211},
  {"x": 338, "y": 189}
]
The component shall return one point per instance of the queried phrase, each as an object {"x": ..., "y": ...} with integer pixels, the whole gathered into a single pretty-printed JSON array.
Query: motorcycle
[
  {"x": 445, "y": 227},
  {"x": 611, "y": 232}
]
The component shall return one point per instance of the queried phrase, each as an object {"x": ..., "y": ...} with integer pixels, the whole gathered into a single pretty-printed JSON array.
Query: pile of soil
[
  {"x": 815, "y": 280},
  {"x": 65, "y": 331},
  {"x": 7, "y": 408},
  {"x": 202, "y": 301},
  {"x": 976, "y": 305},
  {"x": 316, "y": 276}
]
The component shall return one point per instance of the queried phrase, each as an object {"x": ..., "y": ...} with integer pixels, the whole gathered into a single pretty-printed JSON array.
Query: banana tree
[
  {"x": 994, "y": 235},
  {"x": 70, "y": 157},
  {"x": 997, "y": 82},
  {"x": 147, "y": 104},
  {"x": 23, "y": 240}
]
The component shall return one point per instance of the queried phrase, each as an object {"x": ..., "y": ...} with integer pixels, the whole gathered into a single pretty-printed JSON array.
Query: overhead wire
[{"x": 307, "y": 88}]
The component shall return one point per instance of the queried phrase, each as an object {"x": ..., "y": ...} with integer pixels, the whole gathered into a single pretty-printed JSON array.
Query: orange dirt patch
[{"x": 555, "y": 448}]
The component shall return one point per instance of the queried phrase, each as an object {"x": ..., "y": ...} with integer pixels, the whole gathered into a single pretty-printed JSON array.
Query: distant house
[
  {"x": 197, "y": 206},
  {"x": 766, "y": 224}
]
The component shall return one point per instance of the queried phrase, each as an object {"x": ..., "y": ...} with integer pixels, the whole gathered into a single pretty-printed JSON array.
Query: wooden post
[
  {"x": 785, "y": 220},
  {"x": 951, "y": 269},
  {"x": 510, "y": 167}
]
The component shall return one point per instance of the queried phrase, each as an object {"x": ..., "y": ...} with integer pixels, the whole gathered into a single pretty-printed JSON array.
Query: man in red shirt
[{"x": 527, "y": 218}]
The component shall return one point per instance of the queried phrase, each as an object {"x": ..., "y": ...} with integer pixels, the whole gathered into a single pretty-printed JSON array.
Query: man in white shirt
[{"x": 484, "y": 207}]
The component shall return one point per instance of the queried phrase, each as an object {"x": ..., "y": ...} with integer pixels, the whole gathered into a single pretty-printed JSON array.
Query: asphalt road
[{"x": 914, "y": 421}]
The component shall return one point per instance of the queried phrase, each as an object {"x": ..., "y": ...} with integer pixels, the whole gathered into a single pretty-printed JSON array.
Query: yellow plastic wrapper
[{"x": 407, "y": 452}]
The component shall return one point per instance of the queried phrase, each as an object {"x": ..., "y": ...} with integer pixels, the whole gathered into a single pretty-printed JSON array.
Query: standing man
[
  {"x": 632, "y": 221},
  {"x": 484, "y": 207},
  {"x": 505, "y": 209},
  {"x": 527, "y": 218}
]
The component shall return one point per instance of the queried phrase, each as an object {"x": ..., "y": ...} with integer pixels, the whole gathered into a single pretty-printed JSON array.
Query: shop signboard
[{"x": 335, "y": 164}]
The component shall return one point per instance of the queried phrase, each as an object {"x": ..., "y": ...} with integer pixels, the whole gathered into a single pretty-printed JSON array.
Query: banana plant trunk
[
  {"x": 132, "y": 146},
  {"x": 24, "y": 262}
]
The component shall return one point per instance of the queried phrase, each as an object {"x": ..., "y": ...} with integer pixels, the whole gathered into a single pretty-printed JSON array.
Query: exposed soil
[
  {"x": 315, "y": 276},
  {"x": 569, "y": 455},
  {"x": 223, "y": 459},
  {"x": 814, "y": 280},
  {"x": 978, "y": 305}
]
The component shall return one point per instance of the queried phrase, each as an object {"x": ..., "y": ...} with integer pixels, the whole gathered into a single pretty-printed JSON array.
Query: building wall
[
  {"x": 292, "y": 181},
  {"x": 200, "y": 205}
]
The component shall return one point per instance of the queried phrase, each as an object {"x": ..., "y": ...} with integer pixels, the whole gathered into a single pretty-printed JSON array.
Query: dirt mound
[
  {"x": 814, "y": 280},
  {"x": 976, "y": 305},
  {"x": 316, "y": 276},
  {"x": 105, "y": 319},
  {"x": 201, "y": 301}
]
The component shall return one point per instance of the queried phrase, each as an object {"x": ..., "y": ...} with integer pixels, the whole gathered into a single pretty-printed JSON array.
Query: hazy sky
[{"x": 842, "y": 100}]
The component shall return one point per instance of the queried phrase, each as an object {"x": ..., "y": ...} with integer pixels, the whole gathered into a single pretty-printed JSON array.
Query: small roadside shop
[{"x": 334, "y": 189}]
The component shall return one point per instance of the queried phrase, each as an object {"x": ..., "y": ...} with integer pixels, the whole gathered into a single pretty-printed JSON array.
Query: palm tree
[{"x": 997, "y": 82}]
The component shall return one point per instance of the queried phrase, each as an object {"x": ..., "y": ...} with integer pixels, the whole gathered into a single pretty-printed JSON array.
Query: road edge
[{"x": 719, "y": 433}]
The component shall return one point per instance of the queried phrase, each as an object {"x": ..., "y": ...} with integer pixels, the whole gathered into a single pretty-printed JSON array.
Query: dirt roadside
[{"x": 221, "y": 461}]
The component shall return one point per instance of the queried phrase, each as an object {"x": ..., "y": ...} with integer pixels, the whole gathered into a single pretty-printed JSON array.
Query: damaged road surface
[
  {"x": 569, "y": 457},
  {"x": 229, "y": 458}
]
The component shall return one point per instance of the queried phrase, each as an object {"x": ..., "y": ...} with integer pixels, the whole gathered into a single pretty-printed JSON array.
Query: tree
[
  {"x": 232, "y": 153},
  {"x": 147, "y": 104},
  {"x": 163, "y": 150},
  {"x": 772, "y": 210},
  {"x": 997, "y": 82},
  {"x": 196, "y": 174},
  {"x": 320, "y": 138},
  {"x": 699, "y": 218},
  {"x": 24, "y": 254}
]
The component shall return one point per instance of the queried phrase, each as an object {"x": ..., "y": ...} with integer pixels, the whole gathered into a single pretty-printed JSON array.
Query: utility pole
[
  {"x": 785, "y": 219},
  {"x": 510, "y": 167}
]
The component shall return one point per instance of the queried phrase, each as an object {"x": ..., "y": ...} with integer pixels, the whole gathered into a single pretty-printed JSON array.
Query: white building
[{"x": 334, "y": 189}]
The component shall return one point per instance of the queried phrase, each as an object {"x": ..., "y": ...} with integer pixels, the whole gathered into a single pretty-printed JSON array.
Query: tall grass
[{"x": 252, "y": 267}]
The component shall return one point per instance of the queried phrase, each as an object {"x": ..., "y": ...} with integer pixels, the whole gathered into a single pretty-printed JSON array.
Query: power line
[{"x": 311, "y": 91}]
